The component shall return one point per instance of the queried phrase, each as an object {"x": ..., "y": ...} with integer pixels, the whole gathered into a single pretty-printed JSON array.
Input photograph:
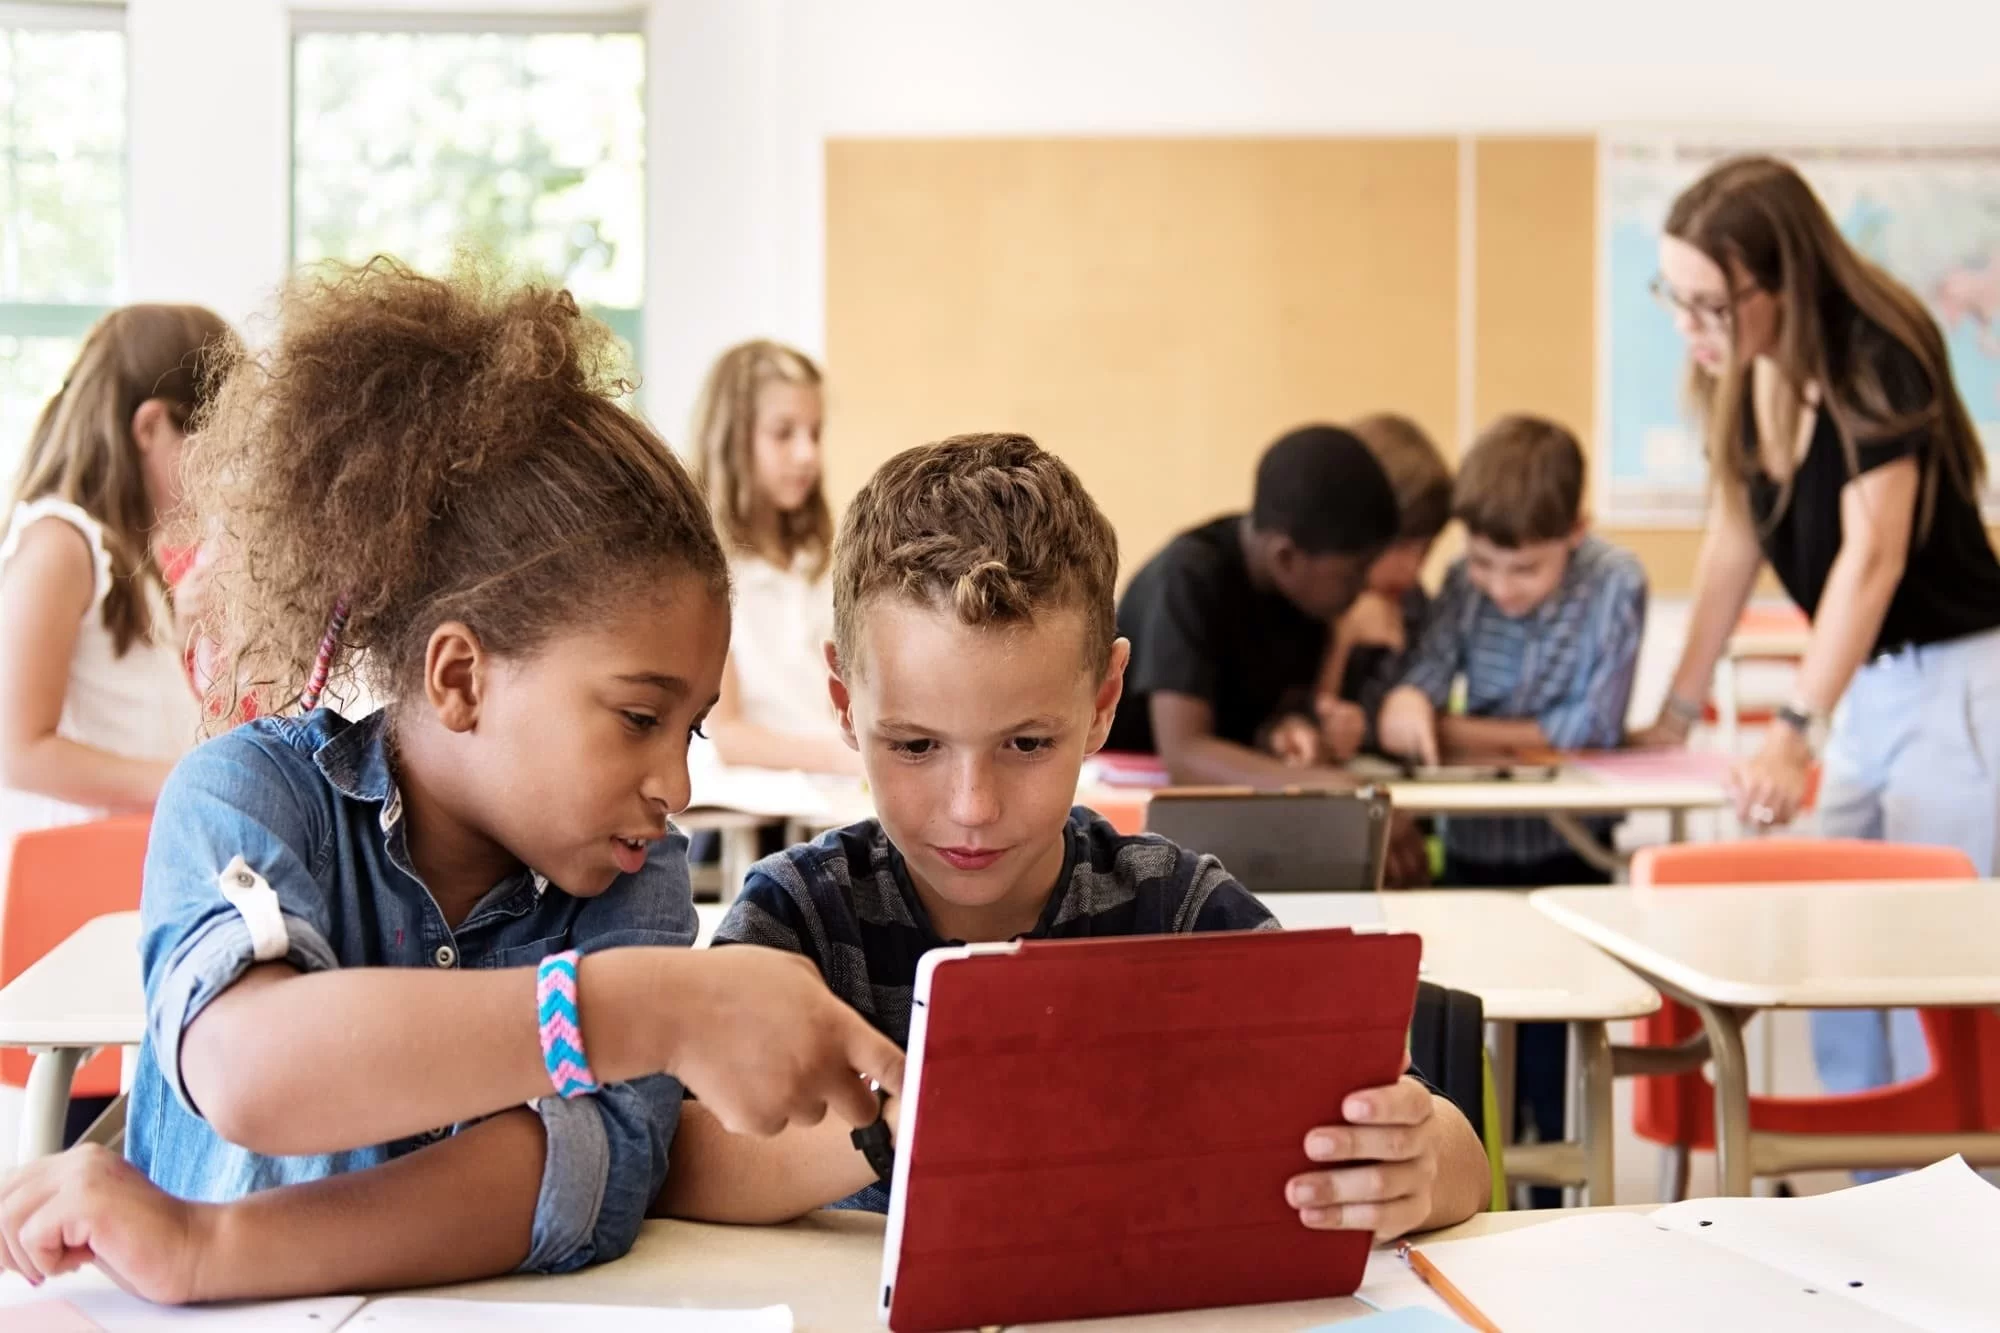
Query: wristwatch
[
  {"x": 1810, "y": 726},
  {"x": 872, "y": 1142}
]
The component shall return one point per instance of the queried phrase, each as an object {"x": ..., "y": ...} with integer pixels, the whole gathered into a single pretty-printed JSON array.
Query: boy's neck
[
  {"x": 457, "y": 863},
  {"x": 1010, "y": 917}
]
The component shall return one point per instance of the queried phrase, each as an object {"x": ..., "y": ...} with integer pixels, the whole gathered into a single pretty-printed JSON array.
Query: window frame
[
  {"x": 628, "y": 322},
  {"x": 72, "y": 319}
]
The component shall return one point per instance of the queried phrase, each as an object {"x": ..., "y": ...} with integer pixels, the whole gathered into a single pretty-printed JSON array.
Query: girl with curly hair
[{"x": 426, "y": 971}]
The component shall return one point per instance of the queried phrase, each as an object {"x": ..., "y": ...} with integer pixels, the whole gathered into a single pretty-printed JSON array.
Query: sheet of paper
[
  {"x": 1619, "y": 1271},
  {"x": 1921, "y": 1247},
  {"x": 1397, "y": 1321},
  {"x": 1388, "y": 1284},
  {"x": 91, "y": 1296},
  {"x": 413, "y": 1313}
]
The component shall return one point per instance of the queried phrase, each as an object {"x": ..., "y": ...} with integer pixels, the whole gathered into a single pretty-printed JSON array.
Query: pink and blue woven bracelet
[{"x": 561, "y": 1029}]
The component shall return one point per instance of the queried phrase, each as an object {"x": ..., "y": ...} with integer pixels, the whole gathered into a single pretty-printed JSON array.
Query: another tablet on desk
[
  {"x": 1508, "y": 772},
  {"x": 1291, "y": 841},
  {"x": 1105, "y": 1127}
]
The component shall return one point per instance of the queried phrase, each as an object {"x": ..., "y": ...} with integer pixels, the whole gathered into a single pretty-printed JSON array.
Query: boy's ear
[
  {"x": 836, "y": 689},
  {"x": 455, "y": 675},
  {"x": 1109, "y": 691},
  {"x": 1580, "y": 531}
]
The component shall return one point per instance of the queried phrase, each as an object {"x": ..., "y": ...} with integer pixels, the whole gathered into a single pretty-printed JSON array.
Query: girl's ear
[
  {"x": 149, "y": 422},
  {"x": 455, "y": 666}
]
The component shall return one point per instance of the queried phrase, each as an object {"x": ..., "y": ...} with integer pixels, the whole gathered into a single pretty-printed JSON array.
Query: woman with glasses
[{"x": 1842, "y": 455}]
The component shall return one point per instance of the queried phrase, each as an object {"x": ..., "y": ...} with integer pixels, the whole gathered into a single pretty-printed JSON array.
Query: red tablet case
[{"x": 1105, "y": 1127}]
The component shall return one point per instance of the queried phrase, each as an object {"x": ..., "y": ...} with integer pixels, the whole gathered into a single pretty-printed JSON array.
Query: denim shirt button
[{"x": 445, "y": 955}]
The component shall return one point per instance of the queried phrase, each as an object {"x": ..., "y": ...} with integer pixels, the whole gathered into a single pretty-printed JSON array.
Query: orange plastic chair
[
  {"x": 1959, "y": 1093},
  {"x": 59, "y": 879}
]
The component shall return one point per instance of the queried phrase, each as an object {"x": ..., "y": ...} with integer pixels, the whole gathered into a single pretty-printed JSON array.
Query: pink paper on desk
[
  {"x": 50, "y": 1316},
  {"x": 1633, "y": 766}
]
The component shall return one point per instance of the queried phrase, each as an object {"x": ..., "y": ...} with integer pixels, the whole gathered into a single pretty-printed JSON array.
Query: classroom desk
[
  {"x": 83, "y": 995},
  {"x": 1730, "y": 951},
  {"x": 1573, "y": 795},
  {"x": 1524, "y": 968},
  {"x": 825, "y": 1267}
]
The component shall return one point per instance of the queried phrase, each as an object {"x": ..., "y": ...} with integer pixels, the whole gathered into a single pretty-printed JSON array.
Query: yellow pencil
[{"x": 1447, "y": 1293}]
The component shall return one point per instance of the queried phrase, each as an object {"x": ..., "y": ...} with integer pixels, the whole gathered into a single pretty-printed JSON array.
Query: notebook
[{"x": 1911, "y": 1254}]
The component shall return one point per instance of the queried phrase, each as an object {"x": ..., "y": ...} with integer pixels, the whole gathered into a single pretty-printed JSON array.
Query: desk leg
[
  {"x": 1724, "y": 1026},
  {"x": 1590, "y": 1095},
  {"x": 1726, "y": 702},
  {"x": 1677, "y": 826},
  {"x": 1500, "y": 1054},
  {"x": 739, "y": 853},
  {"x": 47, "y": 1100}
]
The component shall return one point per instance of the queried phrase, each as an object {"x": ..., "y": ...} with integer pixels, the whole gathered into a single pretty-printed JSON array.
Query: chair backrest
[
  {"x": 1448, "y": 1046},
  {"x": 1281, "y": 841},
  {"x": 1787, "y": 860},
  {"x": 57, "y": 879}
]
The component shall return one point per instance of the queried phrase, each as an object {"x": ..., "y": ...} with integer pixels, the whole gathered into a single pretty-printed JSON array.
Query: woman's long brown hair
[{"x": 1841, "y": 314}]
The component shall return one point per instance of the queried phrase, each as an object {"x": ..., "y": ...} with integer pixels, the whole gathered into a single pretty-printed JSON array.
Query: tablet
[{"x": 1105, "y": 1127}]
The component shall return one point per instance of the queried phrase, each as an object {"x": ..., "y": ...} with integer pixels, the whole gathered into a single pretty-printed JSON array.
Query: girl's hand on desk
[
  {"x": 89, "y": 1205},
  {"x": 1384, "y": 1165}
]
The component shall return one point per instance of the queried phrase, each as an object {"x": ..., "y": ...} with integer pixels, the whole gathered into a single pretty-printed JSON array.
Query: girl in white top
[
  {"x": 95, "y": 705},
  {"x": 757, "y": 457}
]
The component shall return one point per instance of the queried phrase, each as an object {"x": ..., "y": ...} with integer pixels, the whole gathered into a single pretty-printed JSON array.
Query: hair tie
[{"x": 323, "y": 663}]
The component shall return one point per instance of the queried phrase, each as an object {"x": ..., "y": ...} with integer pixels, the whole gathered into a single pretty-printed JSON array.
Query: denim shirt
[{"x": 310, "y": 805}]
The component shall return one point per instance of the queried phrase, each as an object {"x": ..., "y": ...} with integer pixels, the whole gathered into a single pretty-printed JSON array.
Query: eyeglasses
[{"x": 1710, "y": 316}]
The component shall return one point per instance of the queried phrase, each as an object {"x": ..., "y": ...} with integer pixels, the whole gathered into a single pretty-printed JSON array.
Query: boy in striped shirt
[{"x": 976, "y": 663}]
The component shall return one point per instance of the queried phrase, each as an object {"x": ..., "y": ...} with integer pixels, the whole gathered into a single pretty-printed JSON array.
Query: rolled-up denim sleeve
[
  {"x": 605, "y": 1158},
  {"x": 605, "y": 1163},
  {"x": 227, "y": 813}
]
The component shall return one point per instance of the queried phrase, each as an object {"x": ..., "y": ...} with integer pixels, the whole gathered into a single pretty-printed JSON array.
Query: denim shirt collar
[{"x": 356, "y": 762}]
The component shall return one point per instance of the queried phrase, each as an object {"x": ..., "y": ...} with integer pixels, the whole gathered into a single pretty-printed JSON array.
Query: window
[
  {"x": 62, "y": 197},
  {"x": 525, "y": 144}
]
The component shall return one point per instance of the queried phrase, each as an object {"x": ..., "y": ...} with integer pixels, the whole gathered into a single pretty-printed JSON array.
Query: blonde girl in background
[
  {"x": 756, "y": 443},
  {"x": 95, "y": 703}
]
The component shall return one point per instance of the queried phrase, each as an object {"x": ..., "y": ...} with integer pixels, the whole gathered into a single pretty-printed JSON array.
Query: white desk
[
  {"x": 826, "y": 1267},
  {"x": 83, "y": 995},
  {"x": 1524, "y": 968},
  {"x": 1728, "y": 952},
  {"x": 1572, "y": 796}
]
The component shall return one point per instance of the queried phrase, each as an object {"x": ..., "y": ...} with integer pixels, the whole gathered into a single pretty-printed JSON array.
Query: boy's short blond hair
[
  {"x": 1521, "y": 483},
  {"x": 992, "y": 526}
]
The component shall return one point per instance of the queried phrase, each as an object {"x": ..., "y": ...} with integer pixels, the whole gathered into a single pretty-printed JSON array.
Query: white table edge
[{"x": 1918, "y": 993}]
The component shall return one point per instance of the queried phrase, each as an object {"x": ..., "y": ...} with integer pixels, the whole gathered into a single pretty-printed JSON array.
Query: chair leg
[{"x": 1674, "y": 1173}]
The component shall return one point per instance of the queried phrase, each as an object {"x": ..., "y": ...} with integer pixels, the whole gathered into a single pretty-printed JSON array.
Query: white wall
[{"x": 743, "y": 94}]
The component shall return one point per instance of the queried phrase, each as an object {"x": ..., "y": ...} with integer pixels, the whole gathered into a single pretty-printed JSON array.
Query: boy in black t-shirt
[{"x": 1229, "y": 623}]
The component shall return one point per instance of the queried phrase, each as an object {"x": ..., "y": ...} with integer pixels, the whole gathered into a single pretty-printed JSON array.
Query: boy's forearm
[
  {"x": 1470, "y": 739},
  {"x": 717, "y": 1176},
  {"x": 457, "y": 1211},
  {"x": 1465, "y": 1178}
]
